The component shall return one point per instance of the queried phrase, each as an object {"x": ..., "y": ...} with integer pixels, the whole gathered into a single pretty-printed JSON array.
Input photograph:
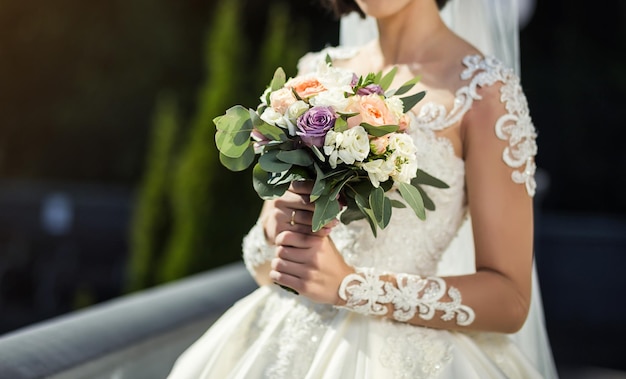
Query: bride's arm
[{"x": 499, "y": 181}]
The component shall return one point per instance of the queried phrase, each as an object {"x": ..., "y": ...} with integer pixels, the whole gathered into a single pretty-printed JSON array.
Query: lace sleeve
[
  {"x": 256, "y": 250},
  {"x": 515, "y": 127},
  {"x": 403, "y": 297}
]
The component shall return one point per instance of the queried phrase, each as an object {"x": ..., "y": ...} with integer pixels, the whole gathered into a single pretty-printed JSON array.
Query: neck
[{"x": 411, "y": 35}]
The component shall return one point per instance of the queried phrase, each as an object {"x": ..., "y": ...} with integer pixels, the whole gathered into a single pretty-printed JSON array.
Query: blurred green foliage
[{"x": 192, "y": 213}]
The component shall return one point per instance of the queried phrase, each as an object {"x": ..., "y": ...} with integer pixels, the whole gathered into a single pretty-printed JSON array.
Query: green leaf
[
  {"x": 241, "y": 163},
  {"x": 369, "y": 215},
  {"x": 352, "y": 212},
  {"x": 428, "y": 202},
  {"x": 271, "y": 132},
  {"x": 409, "y": 101},
  {"x": 233, "y": 131},
  {"x": 413, "y": 198},
  {"x": 425, "y": 178},
  {"x": 298, "y": 157},
  {"x": 406, "y": 87},
  {"x": 225, "y": 143},
  {"x": 270, "y": 163},
  {"x": 318, "y": 153},
  {"x": 232, "y": 120},
  {"x": 341, "y": 125},
  {"x": 397, "y": 204},
  {"x": 262, "y": 188},
  {"x": 379, "y": 131},
  {"x": 385, "y": 81},
  {"x": 381, "y": 207},
  {"x": 326, "y": 209},
  {"x": 328, "y": 59},
  {"x": 291, "y": 175},
  {"x": 279, "y": 79},
  {"x": 320, "y": 184}
]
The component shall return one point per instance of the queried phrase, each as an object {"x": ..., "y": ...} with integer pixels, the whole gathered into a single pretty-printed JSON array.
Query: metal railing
[{"x": 137, "y": 336}]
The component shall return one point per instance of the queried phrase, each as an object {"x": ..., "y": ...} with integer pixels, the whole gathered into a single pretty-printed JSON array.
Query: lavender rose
[
  {"x": 314, "y": 124},
  {"x": 370, "y": 89}
]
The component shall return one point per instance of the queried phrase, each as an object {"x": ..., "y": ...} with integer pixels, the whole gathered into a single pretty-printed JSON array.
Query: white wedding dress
[{"x": 274, "y": 334}]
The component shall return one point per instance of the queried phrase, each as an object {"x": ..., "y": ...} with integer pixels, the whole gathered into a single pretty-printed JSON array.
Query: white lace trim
[
  {"x": 368, "y": 293},
  {"x": 515, "y": 126},
  {"x": 256, "y": 250}
]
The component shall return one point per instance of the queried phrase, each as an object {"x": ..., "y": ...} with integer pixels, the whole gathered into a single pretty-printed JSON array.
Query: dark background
[{"x": 79, "y": 83}]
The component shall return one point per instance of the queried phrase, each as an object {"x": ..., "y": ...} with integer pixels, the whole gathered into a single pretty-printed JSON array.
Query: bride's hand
[
  {"x": 293, "y": 212},
  {"x": 310, "y": 265}
]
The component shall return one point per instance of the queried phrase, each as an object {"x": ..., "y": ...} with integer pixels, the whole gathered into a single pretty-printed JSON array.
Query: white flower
[
  {"x": 334, "y": 98},
  {"x": 346, "y": 147},
  {"x": 334, "y": 77},
  {"x": 405, "y": 169},
  {"x": 404, "y": 157},
  {"x": 263, "y": 97},
  {"x": 378, "y": 170},
  {"x": 295, "y": 110},
  {"x": 272, "y": 117},
  {"x": 395, "y": 105},
  {"x": 402, "y": 144}
]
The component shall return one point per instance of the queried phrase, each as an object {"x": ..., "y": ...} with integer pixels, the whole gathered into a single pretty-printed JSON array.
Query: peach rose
[
  {"x": 373, "y": 110},
  {"x": 404, "y": 122},
  {"x": 379, "y": 145},
  {"x": 306, "y": 87},
  {"x": 281, "y": 99}
]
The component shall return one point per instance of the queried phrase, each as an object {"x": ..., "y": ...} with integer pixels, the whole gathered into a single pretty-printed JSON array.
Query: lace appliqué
[
  {"x": 367, "y": 293},
  {"x": 515, "y": 126},
  {"x": 256, "y": 250}
]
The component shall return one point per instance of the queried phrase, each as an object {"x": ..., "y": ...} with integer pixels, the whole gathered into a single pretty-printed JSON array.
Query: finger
[
  {"x": 302, "y": 187},
  {"x": 293, "y": 254},
  {"x": 289, "y": 268},
  {"x": 297, "y": 240},
  {"x": 287, "y": 280}
]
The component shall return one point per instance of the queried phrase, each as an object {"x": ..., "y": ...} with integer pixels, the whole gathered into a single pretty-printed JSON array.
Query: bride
[{"x": 449, "y": 297}]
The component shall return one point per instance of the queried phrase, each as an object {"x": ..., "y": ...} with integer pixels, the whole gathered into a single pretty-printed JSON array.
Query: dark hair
[{"x": 343, "y": 7}]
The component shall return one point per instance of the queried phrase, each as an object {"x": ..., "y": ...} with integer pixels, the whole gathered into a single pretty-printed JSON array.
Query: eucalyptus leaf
[
  {"x": 351, "y": 213},
  {"x": 397, "y": 204},
  {"x": 233, "y": 120},
  {"x": 428, "y": 202},
  {"x": 320, "y": 184},
  {"x": 326, "y": 209},
  {"x": 426, "y": 179},
  {"x": 413, "y": 198},
  {"x": 297, "y": 157},
  {"x": 225, "y": 143},
  {"x": 318, "y": 153},
  {"x": 271, "y": 132},
  {"x": 385, "y": 81},
  {"x": 369, "y": 215},
  {"x": 270, "y": 163},
  {"x": 376, "y": 202},
  {"x": 279, "y": 79},
  {"x": 406, "y": 87},
  {"x": 379, "y": 131},
  {"x": 293, "y": 174},
  {"x": 241, "y": 163},
  {"x": 262, "y": 188},
  {"x": 409, "y": 101}
]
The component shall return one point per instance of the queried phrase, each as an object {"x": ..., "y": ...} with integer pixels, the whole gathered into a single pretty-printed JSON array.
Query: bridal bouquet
[{"x": 344, "y": 132}]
